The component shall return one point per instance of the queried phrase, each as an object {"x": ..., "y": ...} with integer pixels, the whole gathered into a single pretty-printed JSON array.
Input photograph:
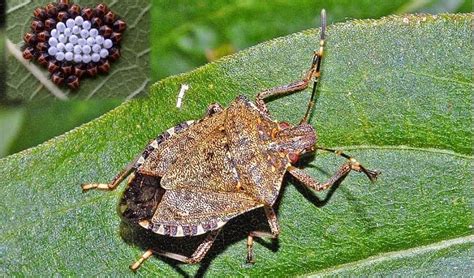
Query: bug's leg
[
  {"x": 371, "y": 174},
  {"x": 312, "y": 73},
  {"x": 114, "y": 182},
  {"x": 138, "y": 160},
  {"x": 213, "y": 109},
  {"x": 281, "y": 90},
  {"x": 338, "y": 177},
  {"x": 196, "y": 257},
  {"x": 275, "y": 231}
]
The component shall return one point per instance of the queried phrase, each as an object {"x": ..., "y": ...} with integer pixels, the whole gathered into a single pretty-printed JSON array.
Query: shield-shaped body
[{"x": 196, "y": 176}]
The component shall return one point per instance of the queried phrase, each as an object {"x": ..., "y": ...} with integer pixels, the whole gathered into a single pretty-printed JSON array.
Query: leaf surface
[{"x": 396, "y": 93}]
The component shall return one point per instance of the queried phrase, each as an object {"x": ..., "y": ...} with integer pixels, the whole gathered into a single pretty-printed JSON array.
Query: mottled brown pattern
[
  {"x": 189, "y": 206},
  {"x": 168, "y": 152}
]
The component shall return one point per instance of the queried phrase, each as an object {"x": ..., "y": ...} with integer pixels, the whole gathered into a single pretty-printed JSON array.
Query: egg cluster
[
  {"x": 73, "y": 42},
  {"x": 77, "y": 41}
]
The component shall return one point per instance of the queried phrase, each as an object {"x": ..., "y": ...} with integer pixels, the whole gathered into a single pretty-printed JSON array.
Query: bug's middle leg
[
  {"x": 275, "y": 231},
  {"x": 196, "y": 257}
]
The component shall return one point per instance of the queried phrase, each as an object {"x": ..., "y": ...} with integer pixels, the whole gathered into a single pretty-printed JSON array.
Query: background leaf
[
  {"x": 191, "y": 34},
  {"x": 128, "y": 76},
  {"x": 396, "y": 93},
  {"x": 40, "y": 121}
]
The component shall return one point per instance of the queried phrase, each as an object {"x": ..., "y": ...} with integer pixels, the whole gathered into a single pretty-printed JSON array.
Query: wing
[
  {"x": 159, "y": 159},
  {"x": 207, "y": 166},
  {"x": 250, "y": 133},
  {"x": 189, "y": 212}
]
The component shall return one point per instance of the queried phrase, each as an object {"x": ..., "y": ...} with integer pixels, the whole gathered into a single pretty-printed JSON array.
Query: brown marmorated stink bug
[{"x": 195, "y": 177}]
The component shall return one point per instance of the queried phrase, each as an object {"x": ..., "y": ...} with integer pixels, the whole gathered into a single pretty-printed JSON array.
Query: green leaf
[
  {"x": 396, "y": 93},
  {"x": 193, "y": 33},
  {"x": 44, "y": 120},
  {"x": 10, "y": 123},
  {"x": 128, "y": 76}
]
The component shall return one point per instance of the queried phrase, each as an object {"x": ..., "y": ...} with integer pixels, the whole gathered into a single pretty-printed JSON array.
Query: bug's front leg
[
  {"x": 282, "y": 90},
  {"x": 338, "y": 177},
  {"x": 275, "y": 231},
  {"x": 195, "y": 258}
]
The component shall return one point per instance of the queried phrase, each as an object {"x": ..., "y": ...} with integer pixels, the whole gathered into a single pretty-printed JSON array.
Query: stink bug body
[{"x": 195, "y": 177}]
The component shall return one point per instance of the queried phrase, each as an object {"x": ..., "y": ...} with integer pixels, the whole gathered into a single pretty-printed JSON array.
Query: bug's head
[{"x": 294, "y": 140}]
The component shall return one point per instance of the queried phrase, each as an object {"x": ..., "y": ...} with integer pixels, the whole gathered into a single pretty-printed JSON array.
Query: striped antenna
[{"x": 318, "y": 56}]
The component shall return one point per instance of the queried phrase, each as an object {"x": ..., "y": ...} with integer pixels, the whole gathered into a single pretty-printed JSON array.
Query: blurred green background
[{"x": 188, "y": 34}]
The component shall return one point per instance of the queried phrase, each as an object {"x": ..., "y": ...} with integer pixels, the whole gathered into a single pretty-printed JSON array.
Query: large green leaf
[
  {"x": 396, "y": 93},
  {"x": 128, "y": 76},
  {"x": 191, "y": 33}
]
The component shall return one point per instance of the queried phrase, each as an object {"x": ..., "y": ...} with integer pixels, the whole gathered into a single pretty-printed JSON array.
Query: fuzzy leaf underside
[
  {"x": 395, "y": 93},
  {"x": 128, "y": 76}
]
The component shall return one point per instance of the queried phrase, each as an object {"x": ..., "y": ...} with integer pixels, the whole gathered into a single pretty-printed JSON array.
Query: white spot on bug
[
  {"x": 182, "y": 90},
  {"x": 179, "y": 231},
  {"x": 154, "y": 144},
  {"x": 200, "y": 229},
  {"x": 141, "y": 160},
  {"x": 220, "y": 223},
  {"x": 161, "y": 230},
  {"x": 190, "y": 122},
  {"x": 144, "y": 223},
  {"x": 170, "y": 131}
]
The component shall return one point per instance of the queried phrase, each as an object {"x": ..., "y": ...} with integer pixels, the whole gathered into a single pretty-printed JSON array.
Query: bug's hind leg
[
  {"x": 139, "y": 160},
  {"x": 196, "y": 257},
  {"x": 275, "y": 231},
  {"x": 115, "y": 181}
]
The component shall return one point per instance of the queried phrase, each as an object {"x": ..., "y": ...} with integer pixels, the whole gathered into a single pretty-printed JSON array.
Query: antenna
[{"x": 318, "y": 56}]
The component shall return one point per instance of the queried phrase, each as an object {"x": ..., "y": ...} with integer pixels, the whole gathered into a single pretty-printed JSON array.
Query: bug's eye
[
  {"x": 294, "y": 157},
  {"x": 284, "y": 125}
]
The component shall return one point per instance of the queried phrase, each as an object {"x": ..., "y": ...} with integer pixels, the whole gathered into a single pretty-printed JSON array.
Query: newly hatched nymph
[{"x": 196, "y": 176}]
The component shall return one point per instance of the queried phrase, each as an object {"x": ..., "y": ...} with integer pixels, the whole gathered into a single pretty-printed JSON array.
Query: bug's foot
[
  {"x": 371, "y": 174},
  {"x": 250, "y": 260},
  {"x": 140, "y": 261},
  {"x": 356, "y": 166},
  {"x": 248, "y": 264},
  {"x": 89, "y": 186}
]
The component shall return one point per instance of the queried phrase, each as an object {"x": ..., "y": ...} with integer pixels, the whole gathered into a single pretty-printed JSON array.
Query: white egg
[
  {"x": 95, "y": 57},
  {"x": 79, "y": 20},
  {"x": 68, "y": 56},
  {"x": 104, "y": 53},
  {"x": 59, "y": 56},
  {"x": 52, "y": 50}
]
